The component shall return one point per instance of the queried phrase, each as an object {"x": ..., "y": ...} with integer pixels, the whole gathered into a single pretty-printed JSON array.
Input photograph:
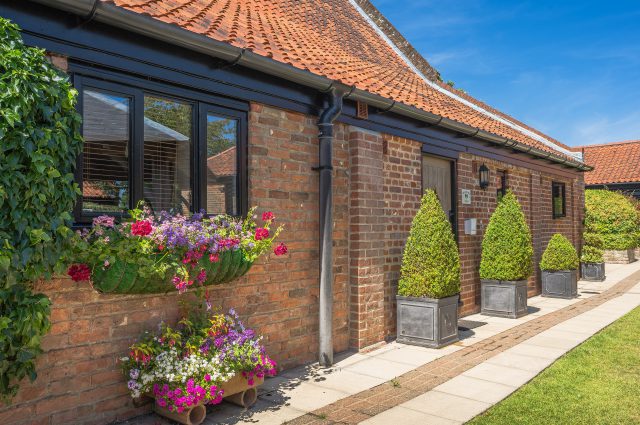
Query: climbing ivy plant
[{"x": 40, "y": 139}]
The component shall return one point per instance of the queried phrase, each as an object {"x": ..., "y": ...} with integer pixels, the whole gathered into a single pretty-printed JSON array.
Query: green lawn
[{"x": 596, "y": 383}]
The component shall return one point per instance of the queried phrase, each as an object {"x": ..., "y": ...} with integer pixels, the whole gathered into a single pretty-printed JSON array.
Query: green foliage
[
  {"x": 24, "y": 319},
  {"x": 39, "y": 129},
  {"x": 591, "y": 254},
  {"x": 559, "y": 255},
  {"x": 431, "y": 262},
  {"x": 506, "y": 247},
  {"x": 592, "y": 248},
  {"x": 612, "y": 216}
]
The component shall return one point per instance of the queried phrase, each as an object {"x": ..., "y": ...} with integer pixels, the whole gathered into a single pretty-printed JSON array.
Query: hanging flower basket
[
  {"x": 156, "y": 254},
  {"x": 124, "y": 278}
]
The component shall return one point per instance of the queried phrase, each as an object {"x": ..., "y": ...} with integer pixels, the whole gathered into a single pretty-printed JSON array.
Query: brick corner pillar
[
  {"x": 366, "y": 212},
  {"x": 535, "y": 220}
]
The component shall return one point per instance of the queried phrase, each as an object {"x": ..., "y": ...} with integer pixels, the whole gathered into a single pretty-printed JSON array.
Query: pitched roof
[
  {"x": 613, "y": 162},
  {"x": 344, "y": 40}
]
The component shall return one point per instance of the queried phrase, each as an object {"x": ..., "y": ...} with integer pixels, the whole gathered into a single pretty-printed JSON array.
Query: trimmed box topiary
[
  {"x": 429, "y": 283},
  {"x": 592, "y": 261},
  {"x": 614, "y": 217},
  {"x": 559, "y": 267},
  {"x": 506, "y": 261}
]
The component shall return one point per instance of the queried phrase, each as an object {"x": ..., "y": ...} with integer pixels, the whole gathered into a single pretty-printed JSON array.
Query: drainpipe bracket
[{"x": 322, "y": 167}]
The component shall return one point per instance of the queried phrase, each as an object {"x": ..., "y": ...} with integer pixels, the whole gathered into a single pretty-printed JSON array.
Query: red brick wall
[
  {"x": 385, "y": 193},
  {"x": 533, "y": 189},
  {"x": 79, "y": 378}
]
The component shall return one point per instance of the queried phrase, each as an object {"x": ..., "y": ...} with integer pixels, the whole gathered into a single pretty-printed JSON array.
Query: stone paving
[{"x": 405, "y": 384}]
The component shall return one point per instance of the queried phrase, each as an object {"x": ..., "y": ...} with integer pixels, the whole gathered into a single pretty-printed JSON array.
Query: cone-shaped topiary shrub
[
  {"x": 559, "y": 255},
  {"x": 592, "y": 248},
  {"x": 506, "y": 246},
  {"x": 431, "y": 262},
  {"x": 613, "y": 216}
]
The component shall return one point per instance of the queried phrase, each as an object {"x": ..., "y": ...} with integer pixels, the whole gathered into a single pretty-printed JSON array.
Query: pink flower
[
  {"x": 207, "y": 377},
  {"x": 268, "y": 216},
  {"x": 214, "y": 258},
  {"x": 79, "y": 272},
  {"x": 104, "y": 221},
  {"x": 202, "y": 276},
  {"x": 141, "y": 228},
  {"x": 280, "y": 249},
  {"x": 261, "y": 233}
]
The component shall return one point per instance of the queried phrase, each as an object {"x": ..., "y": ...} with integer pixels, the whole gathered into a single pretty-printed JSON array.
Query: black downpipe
[{"x": 325, "y": 127}]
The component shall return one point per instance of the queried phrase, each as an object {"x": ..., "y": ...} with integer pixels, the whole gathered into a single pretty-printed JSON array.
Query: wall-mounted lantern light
[{"x": 483, "y": 176}]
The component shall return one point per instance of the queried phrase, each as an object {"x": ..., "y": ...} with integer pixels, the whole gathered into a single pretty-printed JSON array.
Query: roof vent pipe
[{"x": 325, "y": 140}]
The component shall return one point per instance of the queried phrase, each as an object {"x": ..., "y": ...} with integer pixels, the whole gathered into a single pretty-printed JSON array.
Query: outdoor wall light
[{"x": 484, "y": 176}]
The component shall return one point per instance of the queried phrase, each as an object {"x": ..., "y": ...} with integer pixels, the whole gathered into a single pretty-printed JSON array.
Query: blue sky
[{"x": 571, "y": 69}]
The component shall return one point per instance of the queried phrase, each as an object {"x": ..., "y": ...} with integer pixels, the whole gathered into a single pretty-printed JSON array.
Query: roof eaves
[{"x": 109, "y": 13}]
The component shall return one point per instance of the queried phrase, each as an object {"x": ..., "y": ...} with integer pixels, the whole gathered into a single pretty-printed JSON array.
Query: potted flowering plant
[
  {"x": 146, "y": 253},
  {"x": 204, "y": 359}
]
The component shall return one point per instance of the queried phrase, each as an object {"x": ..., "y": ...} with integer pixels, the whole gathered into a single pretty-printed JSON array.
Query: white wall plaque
[{"x": 466, "y": 196}]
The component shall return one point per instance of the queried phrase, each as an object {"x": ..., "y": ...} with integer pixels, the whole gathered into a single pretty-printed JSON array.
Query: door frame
[{"x": 453, "y": 163}]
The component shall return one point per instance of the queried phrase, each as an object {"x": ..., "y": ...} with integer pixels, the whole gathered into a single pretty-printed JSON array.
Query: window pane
[
  {"x": 558, "y": 199},
  {"x": 222, "y": 165},
  {"x": 105, "y": 170},
  {"x": 167, "y": 154}
]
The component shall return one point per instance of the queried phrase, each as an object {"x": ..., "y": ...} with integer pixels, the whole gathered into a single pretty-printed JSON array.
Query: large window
[
  {"x": 175, "y": 153},
  {"x": 558, "y": 198}
]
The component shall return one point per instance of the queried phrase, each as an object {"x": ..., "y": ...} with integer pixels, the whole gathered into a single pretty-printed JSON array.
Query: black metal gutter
[
  {"x": 325, "y": 139},
  {"x": 113, "y": 15}
]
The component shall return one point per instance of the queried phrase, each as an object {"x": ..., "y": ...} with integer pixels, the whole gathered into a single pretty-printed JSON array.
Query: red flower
[
  {"x": 79, "y": 272},
  {"x": 214, "y": 258},
  {"x": 268, "y": 216},
  {"x": 160, "y": 247},
  {"x": 261, "y": 233},
  {"x": 280, "y": 249},
  {"x": 141, "y": 228}
]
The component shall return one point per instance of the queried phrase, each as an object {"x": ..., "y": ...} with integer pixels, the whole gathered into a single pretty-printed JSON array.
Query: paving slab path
[{"x": 402, "y": 384}]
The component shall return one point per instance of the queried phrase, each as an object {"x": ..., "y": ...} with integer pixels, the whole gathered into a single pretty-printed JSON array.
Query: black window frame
[
  {"x": 202, "y": 104},
  {"x": 561, "y": 189}
]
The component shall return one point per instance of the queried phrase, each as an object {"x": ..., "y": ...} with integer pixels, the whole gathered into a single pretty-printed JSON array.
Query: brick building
[
  {"x": 216, "y": 105},
  {"x": 615, "y": 166}
]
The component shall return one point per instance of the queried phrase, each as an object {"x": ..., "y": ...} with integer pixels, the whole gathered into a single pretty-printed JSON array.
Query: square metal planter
[
  {"x": 623, "y": 256},
  {"x": 592, "y": 272},
  {"x": 427, "y": 322},
  {"x": 560, "y": 284},
  {"x": 503, "y": 298}
]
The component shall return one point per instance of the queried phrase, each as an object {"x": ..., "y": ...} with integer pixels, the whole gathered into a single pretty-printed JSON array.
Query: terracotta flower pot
[
  {"x": 236, "y": 390},
  {"x": 193, "y": 416}
]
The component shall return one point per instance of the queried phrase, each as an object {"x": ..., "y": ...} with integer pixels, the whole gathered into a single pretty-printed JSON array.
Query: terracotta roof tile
[
  {"x": 332, "y": 38},
  {"x": 223, "y": 164},
  {"x": 613, "y": 162}
]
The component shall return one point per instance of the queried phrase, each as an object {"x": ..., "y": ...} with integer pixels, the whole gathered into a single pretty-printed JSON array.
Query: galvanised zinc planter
[
  {"x": 592, "y": 272},
  {"x": 124, "y": 278},
  {"x": 560, "y": 284},
  {"x": 503, "y": 298},
  {"x": 427, "y": 322}
]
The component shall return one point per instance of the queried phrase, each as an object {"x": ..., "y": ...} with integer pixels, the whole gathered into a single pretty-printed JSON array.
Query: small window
[
  {"x": 501, "y": 184},
  {"x": 558, "y": 199}
]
